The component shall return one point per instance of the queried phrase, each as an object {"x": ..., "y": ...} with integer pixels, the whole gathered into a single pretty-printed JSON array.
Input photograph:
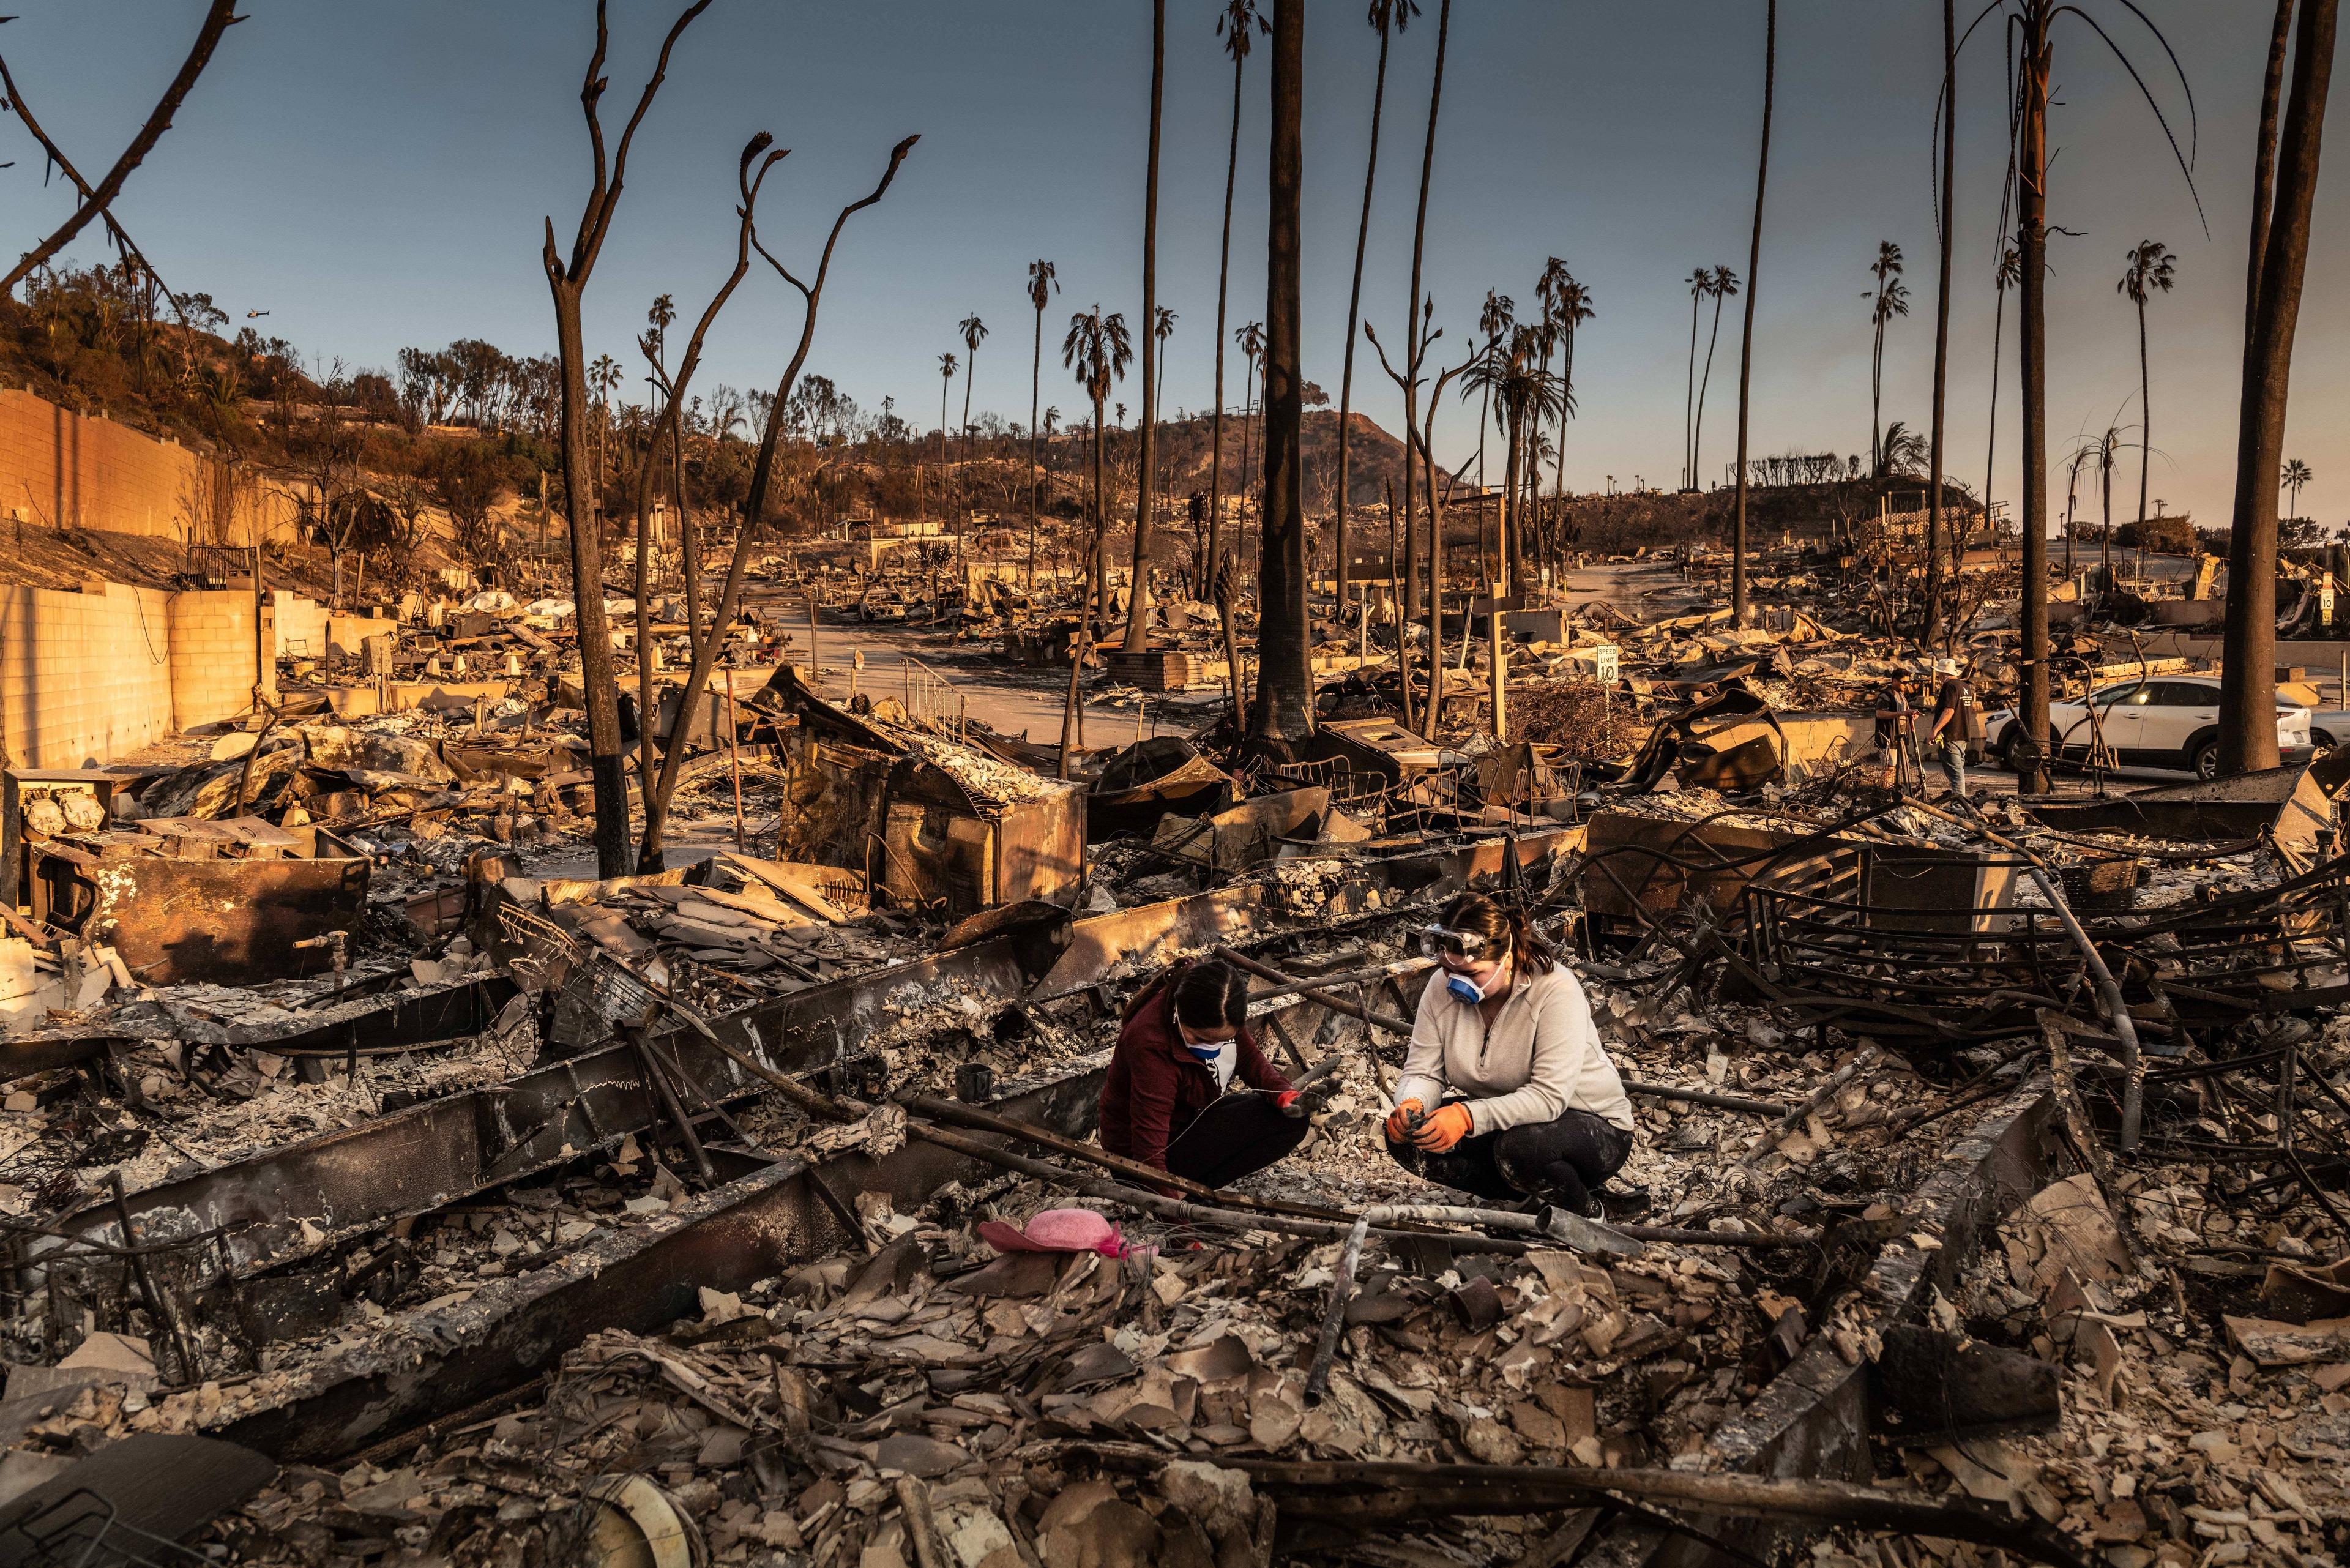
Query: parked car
[
  {"x": 2328, "y": 728},
  {"x": 2161, "y": 721}
]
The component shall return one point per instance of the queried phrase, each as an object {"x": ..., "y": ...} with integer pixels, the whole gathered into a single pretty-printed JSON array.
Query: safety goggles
[{"x": 1443, "y": 942}]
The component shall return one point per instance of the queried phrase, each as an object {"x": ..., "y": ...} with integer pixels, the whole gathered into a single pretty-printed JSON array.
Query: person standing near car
[{"x": 1958, "y": 723}]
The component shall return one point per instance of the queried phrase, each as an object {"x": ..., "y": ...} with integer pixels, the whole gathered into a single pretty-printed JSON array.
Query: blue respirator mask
[{"x": 1442, "y": 943}]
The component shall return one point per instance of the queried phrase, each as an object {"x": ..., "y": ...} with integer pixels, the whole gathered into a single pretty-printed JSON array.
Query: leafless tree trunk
[
  {"x": 1737, "y": 610},
  {"x": 1283, "y": 713},
  {"x": 2032, "y": 179},
  {"x": 666, "y": 423},
  {"x": 754, "y": 505},
  {"x": 568, "y": 281},
  {"x": 2248, "y": 677},
  {"x": 1933, "y": 620},
  {"x": 1415, "y": 338},
  {"x": 1138, "y": 598}
]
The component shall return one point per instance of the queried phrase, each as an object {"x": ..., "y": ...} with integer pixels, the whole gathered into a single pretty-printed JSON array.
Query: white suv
[{"x": 2161, "y": 721}]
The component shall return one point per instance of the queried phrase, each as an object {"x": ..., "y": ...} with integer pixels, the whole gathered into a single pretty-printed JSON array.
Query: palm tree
[
  {"x": 1513, "y": 380},
  {"x": 1235, "y": 24},
  {"x": 1251, "y": 339},
  {"x": 2151, "y": 270},
  {"x": 604, "y": 375},
  {"x": 1387, "y": 18},
  {"x": 974, "y": 332},
  {"x": 1889, "y": 299},
  {"x": 2295, "y": 475},
  {"x": 1725, "y": 285},
  {"x": 1042, "y": 283},
  {"x": 946, "y": 382},
  {"x": 1701, "y": 284},
  {"x": 2008, "y": 275},
  {"x": 1098, "y": 351},
  {"x": 1494, "y": 320},
  {"x": 1162, "y": 330},
  {"x": 1746, "y": 342},
  {"x": 1570, "y": 310}
]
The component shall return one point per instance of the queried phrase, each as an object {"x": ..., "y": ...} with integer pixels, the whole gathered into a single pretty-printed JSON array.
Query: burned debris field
[{"x": 598, "y": 968}]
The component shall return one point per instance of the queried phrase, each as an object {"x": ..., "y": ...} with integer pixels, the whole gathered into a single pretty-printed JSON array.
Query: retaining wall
[
  {"x": 84, "y": 678},
  {"x": 213, "y": 654},
  {"x": 64, "y": 470}
]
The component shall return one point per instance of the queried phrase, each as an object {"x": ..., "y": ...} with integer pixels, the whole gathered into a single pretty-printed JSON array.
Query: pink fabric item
[{"x": 1057, "y": 1231}]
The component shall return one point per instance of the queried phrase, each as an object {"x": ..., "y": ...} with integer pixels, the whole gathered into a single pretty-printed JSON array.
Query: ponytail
[
  {"x": 1505, "y": 929},
  {"x": 1209, "y": 994}
]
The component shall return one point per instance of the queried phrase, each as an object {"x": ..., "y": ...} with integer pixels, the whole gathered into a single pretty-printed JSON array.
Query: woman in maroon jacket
[{"x": 1171, "y": 1099}]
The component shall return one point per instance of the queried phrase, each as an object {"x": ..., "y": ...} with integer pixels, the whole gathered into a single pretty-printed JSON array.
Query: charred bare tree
[
  {"x": 672, "y": 387},
  {"x": 1138, "y": 598},
  {"x": 95, "y": 200},
  {"x": 568, "y": 281},
  {"x": 1283, "y": 713},
  {"x": 1239, "y": 22},
  {"x": 1950, "y": 131},
  {"x": 754, "y": 502},
  {"x": 1413, "y": 342},
  {"x": 2248, "y": 678},
  {"x": 1387, "y": 17},
  {"x": 2033, "y": 21},
  {"x": 1738, "y": 612}
]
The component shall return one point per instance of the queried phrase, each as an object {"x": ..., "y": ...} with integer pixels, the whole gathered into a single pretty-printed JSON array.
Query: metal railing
[{"x": 931, "y": 698}]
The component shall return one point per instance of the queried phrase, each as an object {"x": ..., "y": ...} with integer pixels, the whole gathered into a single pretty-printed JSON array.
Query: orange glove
[
  {"x": 1399, "y": 1120},
  {"x": 1448, "y": 1127}
]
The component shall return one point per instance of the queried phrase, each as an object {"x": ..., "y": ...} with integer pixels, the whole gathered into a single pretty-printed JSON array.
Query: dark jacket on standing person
[
  {"x": 1157, "y": 1087},
  {"x": 1958, "y": 700},
  {"x": 1893, "y": 710}
]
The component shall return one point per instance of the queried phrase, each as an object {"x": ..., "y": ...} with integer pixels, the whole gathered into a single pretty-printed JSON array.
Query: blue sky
[{"x": 376, "y": 175}]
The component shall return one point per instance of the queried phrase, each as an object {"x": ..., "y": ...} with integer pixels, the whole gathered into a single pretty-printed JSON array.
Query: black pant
[
  {"x": 1560, "y": 1162},
  {"x": 1236, "y": 1136}
]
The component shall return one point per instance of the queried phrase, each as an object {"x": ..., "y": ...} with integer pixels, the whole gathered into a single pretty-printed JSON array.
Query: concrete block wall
[
  {"x": 212, "y": 655},
  {"x": 346, "y": 632},
  {"x": 69, "y": 470},
  {"x": 84, "y": 678},
  {"x": 301, "y": 624}
]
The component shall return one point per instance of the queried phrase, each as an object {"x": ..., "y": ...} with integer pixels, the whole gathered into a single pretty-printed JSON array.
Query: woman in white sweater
[{"x": 1507, "y": 1092}]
